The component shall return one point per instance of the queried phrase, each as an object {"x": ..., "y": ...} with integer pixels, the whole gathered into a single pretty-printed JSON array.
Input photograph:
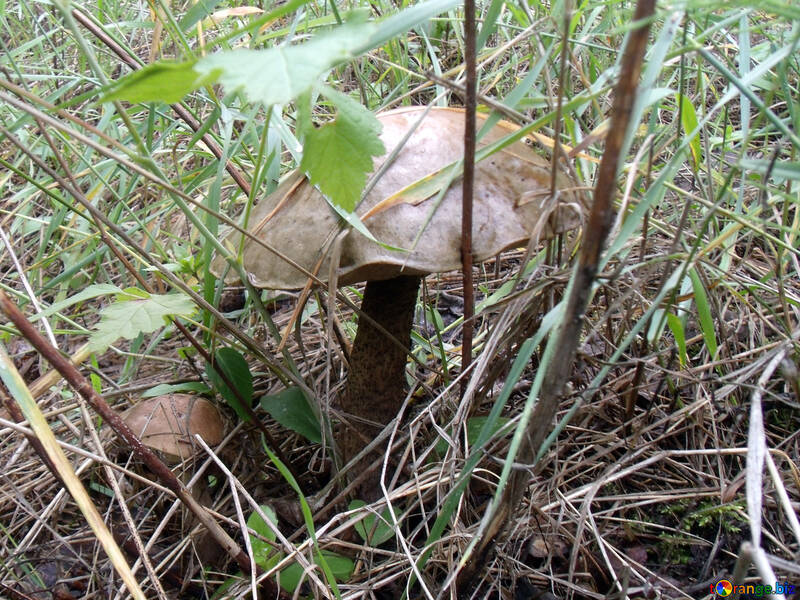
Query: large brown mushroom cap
[{"x": 511, "y": 204}]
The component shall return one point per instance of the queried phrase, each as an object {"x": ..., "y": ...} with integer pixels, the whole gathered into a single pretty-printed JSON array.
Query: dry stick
[
  {"x": 558, "y": 369},
  {"x": 466, "y": 189},
  {"x": 562, "y": 77},
  {"x": 79, "y": 383}
]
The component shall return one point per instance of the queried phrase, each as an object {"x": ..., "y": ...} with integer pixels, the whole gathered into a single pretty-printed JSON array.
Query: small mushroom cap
[
  {"x": 168, "y": 423},
  {"x": 511, "y": 204}
]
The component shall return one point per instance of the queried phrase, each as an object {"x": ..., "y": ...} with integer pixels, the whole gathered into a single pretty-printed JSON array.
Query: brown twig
[
  {"x": 466, "y": 189},
  {"x": 80, "y": 384},
  {"x": 599, "y": 225}
]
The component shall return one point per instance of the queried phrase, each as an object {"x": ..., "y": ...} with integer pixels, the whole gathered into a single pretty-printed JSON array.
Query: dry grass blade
[{"x": 17, "y": 388}]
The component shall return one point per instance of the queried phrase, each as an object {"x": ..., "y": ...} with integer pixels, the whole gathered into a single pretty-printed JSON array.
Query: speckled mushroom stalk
[{"x": 376, "y": 384}]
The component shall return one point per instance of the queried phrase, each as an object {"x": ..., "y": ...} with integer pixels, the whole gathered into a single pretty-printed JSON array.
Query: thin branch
[{"x": 466, "y": 190}]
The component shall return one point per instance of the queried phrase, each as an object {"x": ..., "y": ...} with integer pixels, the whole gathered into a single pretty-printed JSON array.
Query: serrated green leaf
[
  {"x": 129, "y": 318},
  {"x": 232, "y": 363},
  {"x": 279, "y": 75},
  {"x": 93, "y": 291},
  {"x": 265, "y": 554},
  {"x": 338, "y": 155},
  {"x": 373, "y": 529},
  {"x": 291, "y": 409},
  {"x": 273, "y": 76},
  {"x": 165, "y": 81},
  {"x": 132, "y": 293},
  {"x": 341, "y": 567}
]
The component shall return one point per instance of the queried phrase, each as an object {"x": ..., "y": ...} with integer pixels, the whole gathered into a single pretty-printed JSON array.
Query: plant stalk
[
  {"x": 467, "y": 188},
  {"x": 376, "y": 384}
]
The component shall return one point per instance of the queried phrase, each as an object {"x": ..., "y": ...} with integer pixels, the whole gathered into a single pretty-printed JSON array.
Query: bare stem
[
  {"x": 467, "y": 187},
  {"x": 558, "y": 369}
]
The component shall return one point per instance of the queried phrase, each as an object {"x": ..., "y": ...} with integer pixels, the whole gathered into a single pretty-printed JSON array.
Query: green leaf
[
  {"x": 138, "y": 312},
  {"x": 198, "y": 11},
  {"x": 227, "y": 584},
  {"x": 265, "y": 554},
  {"x": 338, "y": 155},
  {"x": 308, "y": 519},
  {"x": 704, "y": 313},
  {"x": 93, "y": 291},
  {"x": 165, "y": 81},
  {"x": 676, "y": 327},
  {"x": 273, "y": 76},
  {"x": 373, "y": 529},
  {"x": 689, "y": 124},
  {"x": 279, "y": 75},
  {"x": 236, "y": 369},
  {"x": 162, "y": 389},
  {"x": 291, "y": 409},
  {"x": 341, "y": 567}
]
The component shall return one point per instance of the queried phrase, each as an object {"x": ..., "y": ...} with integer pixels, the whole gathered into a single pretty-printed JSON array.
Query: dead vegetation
[{"x": 674, "y": 456}]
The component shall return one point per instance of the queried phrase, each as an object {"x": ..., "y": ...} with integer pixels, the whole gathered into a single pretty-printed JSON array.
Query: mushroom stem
[{"x": 376, "y": 384}]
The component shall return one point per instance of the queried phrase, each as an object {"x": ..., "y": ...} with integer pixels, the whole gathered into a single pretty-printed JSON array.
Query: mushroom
[
  {"x": 169, "y": 423},
  {"x": 511, "y": 204}
]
